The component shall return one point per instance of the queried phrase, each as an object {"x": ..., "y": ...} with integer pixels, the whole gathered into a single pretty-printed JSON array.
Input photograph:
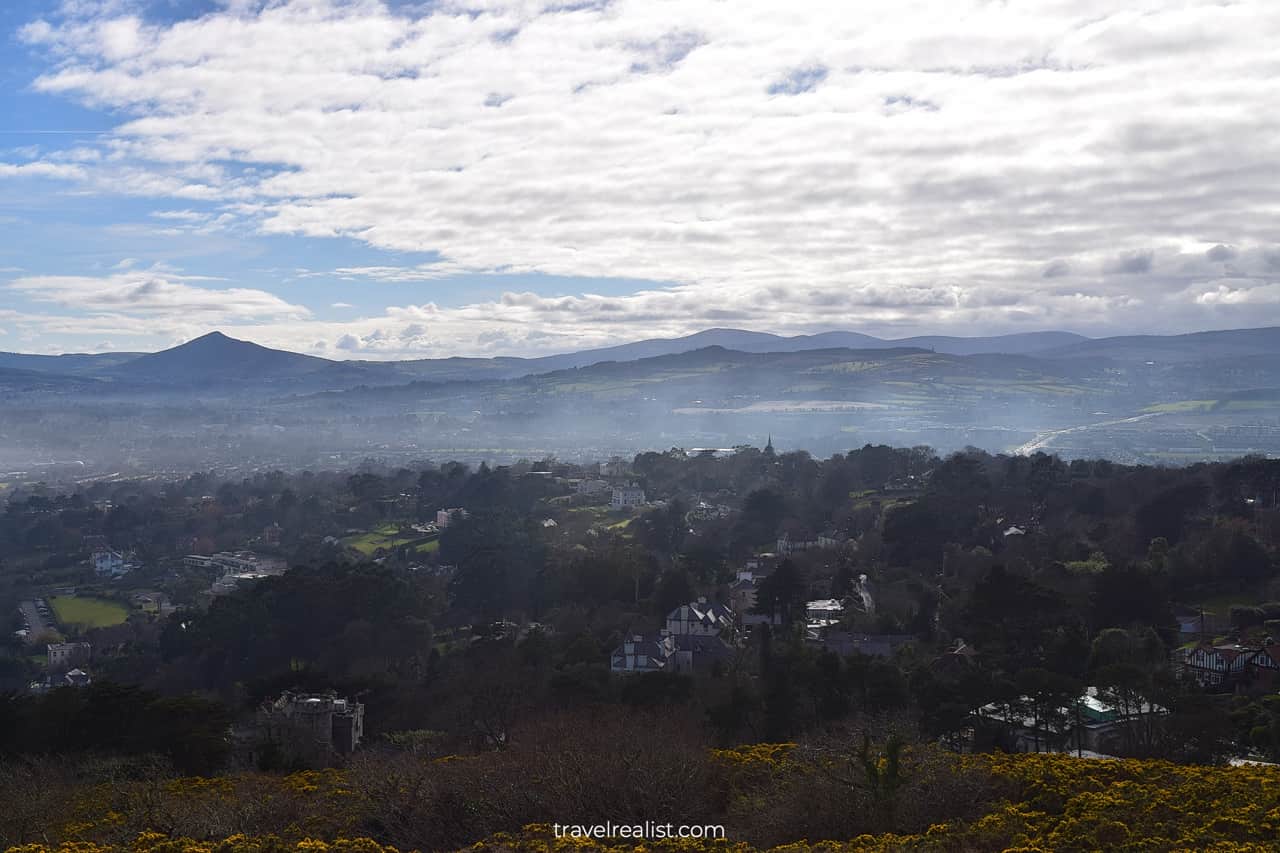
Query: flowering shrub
[
  {"x": 154, "y": 842},
  {"x": 312, "y": 803},
  {"x": 1067, "y": 803},
  {"x": 772, "y": 795}
]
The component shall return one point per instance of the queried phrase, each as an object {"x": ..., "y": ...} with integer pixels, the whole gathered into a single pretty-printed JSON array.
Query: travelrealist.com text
[{"x": 648, "y": 829}]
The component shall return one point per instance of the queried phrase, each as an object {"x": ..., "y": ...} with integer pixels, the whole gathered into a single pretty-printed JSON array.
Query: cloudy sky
[{"x": 363, "y": 178}]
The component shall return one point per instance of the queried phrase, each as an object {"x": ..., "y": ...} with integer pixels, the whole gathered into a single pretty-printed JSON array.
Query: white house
[
  {"x": 826, "y": 611},
  {"x": 109, "y": 564},
  {"x": 629, "y": 495},
  {"x": 65, "y": 655}
]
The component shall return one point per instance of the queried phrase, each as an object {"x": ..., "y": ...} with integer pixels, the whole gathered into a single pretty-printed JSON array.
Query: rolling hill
[{"x": 217, "y": 358}]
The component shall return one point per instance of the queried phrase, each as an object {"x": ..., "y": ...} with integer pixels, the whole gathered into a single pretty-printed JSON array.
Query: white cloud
[
  {"x": 1237, "y": 293},
  {"x": 41, "y": 170},
  {"x": 905, "y": 165},
  {"x": 155, "y": 294}
]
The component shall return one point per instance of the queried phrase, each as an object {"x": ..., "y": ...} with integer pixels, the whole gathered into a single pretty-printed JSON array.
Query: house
[
  {"x": 232, "y": 581},
  {"x": 109, "y": 564},
  {"x": 700, "y": 619},
  {"x": 825, "y": 611},
  {"x": 786, "y": 546},
  {"x": 742, "y": 598},
  {"x": 626, "y": 496},
  {"x": 310, "y": 728},
  {"x": 74, "y": 678},
  {"x": 700, "y": 653},
  {"x": 641, "y": 653},
  {"x": 77, "y": 678},
  {"x": 664, "y": 651},
  {"x": 1210, "y": 666},
  {"x": 742, "y": 591},
  {"x": 63, "y": 656},
  {"x": 155, "y": 603},
  {"x": 1092, "y": 723},
  {"x": 445, "y": 517},
  {"x": 1264, "y": 666},
  {"x": 591, "y": 487},
  {"x": 248, "y": 561},
  {"x": 236, "y": 561}
]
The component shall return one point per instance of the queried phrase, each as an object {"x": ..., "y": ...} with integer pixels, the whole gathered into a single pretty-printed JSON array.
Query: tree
[
  {"x": 496, "y": 563},
  {"x": 779, "y": 594},
  {"x": 762, "y": 513}
]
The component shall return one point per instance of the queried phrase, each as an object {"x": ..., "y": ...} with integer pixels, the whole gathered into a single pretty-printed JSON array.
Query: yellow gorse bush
[{"x": 1044, "y": 803}]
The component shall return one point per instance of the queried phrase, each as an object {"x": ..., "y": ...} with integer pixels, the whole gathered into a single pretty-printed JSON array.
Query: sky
[{"x": 368, "y": 179}]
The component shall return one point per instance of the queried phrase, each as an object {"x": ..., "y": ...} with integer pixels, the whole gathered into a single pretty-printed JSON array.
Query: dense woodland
[{"x": 1059, "y": 576}]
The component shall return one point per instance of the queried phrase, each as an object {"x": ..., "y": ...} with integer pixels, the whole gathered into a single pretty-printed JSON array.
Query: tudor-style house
[
  {"x": 700, "y": 619},
  {"x": 1232, "y": 663}
]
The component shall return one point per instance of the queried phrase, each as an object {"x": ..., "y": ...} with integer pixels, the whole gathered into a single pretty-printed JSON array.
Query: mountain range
[
  {"x": 216, "y": 401},
  {"x": 218, "y": 360}
]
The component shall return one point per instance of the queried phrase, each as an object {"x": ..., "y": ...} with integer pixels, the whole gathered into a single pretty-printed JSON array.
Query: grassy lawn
[
  {"x": 387, "y": 536},
  {"x": 89, "y": 612}
]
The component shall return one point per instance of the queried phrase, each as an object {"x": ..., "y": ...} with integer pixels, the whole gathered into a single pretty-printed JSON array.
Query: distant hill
[
  {"x": 217, "y": 358},
  {"x": 1025, "y": 343},
  {"x": 745, "y": 341},
  {"x": 71, "y": 364},
  {"x": 1196, "y": 346},
  {"x": 14, "y": 381},
  {"x": 738, "y": 340}
]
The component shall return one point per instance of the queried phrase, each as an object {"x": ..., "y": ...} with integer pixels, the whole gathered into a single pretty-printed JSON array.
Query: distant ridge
[
  {"x": 743, "y": 340},
  {"x": 1193, "y": 346},
  {"x": 217, "y": 357},
  {"x": 70, "y": 364}
]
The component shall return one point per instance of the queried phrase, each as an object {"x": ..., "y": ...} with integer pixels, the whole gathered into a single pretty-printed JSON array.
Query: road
[
  {"x": 1042, "y": 440},
  {"x": 35, "y": 621}
]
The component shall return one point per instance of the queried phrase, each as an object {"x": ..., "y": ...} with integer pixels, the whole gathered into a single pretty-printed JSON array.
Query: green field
[
  {"x": 89, "y": 612},
  {"x": 387, "y": 536},
  {"x": 1182, "y": 406}
]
